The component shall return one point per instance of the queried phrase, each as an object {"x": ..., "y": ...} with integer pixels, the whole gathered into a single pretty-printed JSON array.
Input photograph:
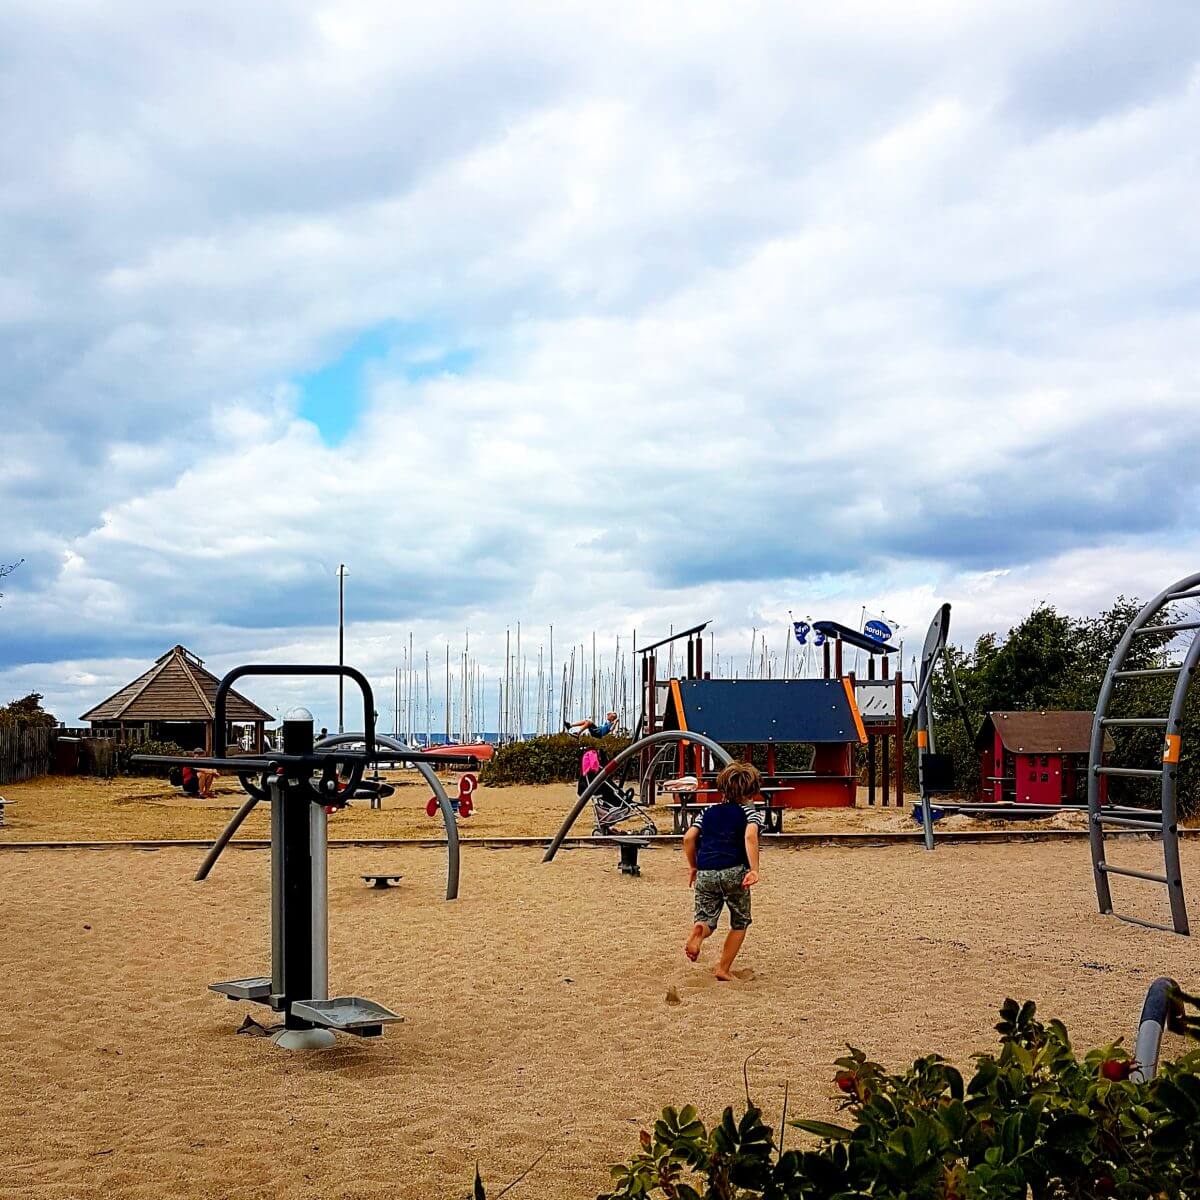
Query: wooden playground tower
[
  {"x": 878, "y": 698},
  {"x": 880, "y": 702}
]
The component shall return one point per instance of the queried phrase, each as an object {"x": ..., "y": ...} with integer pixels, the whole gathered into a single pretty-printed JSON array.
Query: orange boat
[{"x": 481, "y": 751}]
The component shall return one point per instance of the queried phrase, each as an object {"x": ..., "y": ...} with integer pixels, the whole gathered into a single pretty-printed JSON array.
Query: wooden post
[{"x": 871, "y": 771}]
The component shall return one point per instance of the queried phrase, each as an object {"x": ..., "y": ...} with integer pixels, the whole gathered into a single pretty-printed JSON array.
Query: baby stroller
[{"x": 610, "y": 804}]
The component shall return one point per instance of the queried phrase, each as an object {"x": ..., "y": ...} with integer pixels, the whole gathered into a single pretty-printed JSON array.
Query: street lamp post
[{"x": 341, "y": 573}]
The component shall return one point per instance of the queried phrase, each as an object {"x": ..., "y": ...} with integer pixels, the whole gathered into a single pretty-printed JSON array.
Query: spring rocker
[
  {"x": 462, "y": 804},
  {"x": 303, "y": 785}
]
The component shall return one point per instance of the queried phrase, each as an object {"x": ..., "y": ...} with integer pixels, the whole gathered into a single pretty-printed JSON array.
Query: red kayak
[{"x": 482, "y": 751}]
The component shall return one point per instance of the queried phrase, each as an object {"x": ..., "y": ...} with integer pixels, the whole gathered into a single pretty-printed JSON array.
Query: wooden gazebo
[{"x": 173, "y": 702}]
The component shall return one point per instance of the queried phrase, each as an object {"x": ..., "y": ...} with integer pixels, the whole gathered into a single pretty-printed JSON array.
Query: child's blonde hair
[{"x": 739, "y": 781}]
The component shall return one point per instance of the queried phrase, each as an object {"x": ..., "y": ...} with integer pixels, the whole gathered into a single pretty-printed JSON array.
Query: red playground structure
[
  {"x": 822, "y": 713},
  {"x": 1035, "y": 757}
]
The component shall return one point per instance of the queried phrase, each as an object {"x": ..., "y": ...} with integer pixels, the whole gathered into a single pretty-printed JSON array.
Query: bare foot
[
  {"x": 724, "y": 976},
  {"x": 692, "y": 948}
]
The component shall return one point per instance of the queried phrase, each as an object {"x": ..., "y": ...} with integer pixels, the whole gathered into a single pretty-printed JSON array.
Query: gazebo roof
[{"x": 176, "y": 688}]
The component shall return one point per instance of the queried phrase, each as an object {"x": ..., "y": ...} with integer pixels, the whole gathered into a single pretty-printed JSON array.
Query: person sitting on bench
[{"x": 589, "y": 727}]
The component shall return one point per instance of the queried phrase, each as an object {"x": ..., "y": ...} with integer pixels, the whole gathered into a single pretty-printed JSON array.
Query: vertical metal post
[
  {"x": 341, "y": 571},
  {"x": 275, "y": 792},
  {"x": 318, "y": 851}
]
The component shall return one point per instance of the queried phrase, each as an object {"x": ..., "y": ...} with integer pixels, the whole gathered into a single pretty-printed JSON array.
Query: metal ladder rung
[
  {"x": 1135, "y": 721},
  {"x": 1182, "y": 595},
  {"x": 1144, "y": 672},
  {"x": 1147, "y": 875},
  {"x": 1178, "y": 627},
  {"x": 1131, "y": 772},
  {"x": 1145, "y": 924},
  {"x": 1127, "y": 822}
]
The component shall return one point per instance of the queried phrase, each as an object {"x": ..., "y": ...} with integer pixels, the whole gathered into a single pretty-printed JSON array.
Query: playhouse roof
[
  {"x": 176, "y": 688},
  {"x": 1052, "y": 732},
  {"x": 748, "y": 711}
]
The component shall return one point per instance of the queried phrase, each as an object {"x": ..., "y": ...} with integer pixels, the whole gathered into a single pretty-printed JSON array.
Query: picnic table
[{"x": 687, "y": 808}]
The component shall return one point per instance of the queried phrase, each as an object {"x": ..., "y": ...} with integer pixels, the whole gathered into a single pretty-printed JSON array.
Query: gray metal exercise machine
[{"x": 301, "y": 784}]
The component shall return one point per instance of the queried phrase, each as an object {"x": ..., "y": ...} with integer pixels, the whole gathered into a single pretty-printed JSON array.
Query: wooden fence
[{"x": 25, "y": 752}]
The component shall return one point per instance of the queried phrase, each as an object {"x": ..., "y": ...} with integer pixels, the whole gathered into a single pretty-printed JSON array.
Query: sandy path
[
  {"x": 58, "y": 808},
  {"x": 534, "y": 1008}
]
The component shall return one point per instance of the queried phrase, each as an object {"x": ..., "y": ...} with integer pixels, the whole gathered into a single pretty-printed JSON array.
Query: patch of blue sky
[{"x": 333, "y": 396}]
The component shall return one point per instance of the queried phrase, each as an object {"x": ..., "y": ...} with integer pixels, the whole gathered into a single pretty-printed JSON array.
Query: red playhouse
[{"x": 1035, "y": 757}]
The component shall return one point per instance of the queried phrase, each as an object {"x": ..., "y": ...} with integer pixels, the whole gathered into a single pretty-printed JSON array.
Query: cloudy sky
[{"x": 607, "y": 315}]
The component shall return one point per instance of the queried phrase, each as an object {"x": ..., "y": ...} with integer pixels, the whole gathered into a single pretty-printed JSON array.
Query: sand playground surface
[
  {"x": 76, "y": 808},
  {"x": 535, "y": 1007}
]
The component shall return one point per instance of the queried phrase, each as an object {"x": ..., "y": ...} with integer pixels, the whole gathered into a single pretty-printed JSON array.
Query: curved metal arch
[
  {"x": 1161, "y": 1011},
  {"x": 651, "y": 739},
  {"x": 430, "y": 776},
  {"x": 933, "y": 649},
  {"x": 1185, "y": 588},
  {"x": 647, "y": 778}
]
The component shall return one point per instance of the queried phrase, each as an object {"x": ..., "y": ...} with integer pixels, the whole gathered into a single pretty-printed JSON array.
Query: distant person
[
  {"x": 590, "y": 728},
  {"x": 721, "y": 849},
  {"x": 198, "y": 781}
]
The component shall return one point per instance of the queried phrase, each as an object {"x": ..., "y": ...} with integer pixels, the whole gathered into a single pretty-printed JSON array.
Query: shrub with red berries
[{"x": 1034, "y": 1122}]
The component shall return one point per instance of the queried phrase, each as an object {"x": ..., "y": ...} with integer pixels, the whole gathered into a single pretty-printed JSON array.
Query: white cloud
[{"x": 763, "y": 307}]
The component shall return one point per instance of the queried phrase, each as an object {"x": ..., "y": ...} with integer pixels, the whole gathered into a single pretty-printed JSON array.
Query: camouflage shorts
[{"x": 714, "y": 889}]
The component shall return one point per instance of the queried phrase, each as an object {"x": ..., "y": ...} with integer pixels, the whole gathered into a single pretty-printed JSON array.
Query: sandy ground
[
  {"x": 65, "y": 808},
  {"x": 534, "y": 1007}
]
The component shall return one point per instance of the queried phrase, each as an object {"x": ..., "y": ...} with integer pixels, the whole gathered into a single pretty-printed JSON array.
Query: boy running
[{"x": 721, "y": 849}]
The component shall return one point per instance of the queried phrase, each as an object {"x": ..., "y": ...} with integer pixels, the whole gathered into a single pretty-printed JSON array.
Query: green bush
[
  {"x": 1034, "y": 1122},
  {"x": 552, "y": 759},
  {"x": 126, "y": 750}
]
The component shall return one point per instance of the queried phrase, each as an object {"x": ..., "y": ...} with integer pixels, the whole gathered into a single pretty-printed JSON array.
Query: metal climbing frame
[{"x": 1101, "y": 814}]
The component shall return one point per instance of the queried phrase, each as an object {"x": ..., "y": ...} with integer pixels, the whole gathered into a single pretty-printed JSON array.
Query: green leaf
[{"x": 822, "y": 1129}]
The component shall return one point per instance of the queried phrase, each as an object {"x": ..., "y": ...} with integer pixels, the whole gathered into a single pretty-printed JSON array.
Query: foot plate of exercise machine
[
  {"x": 346, "y": 1014},
  {"x": 244, "y": 989},
  {"x": 382, "y": 881}
]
